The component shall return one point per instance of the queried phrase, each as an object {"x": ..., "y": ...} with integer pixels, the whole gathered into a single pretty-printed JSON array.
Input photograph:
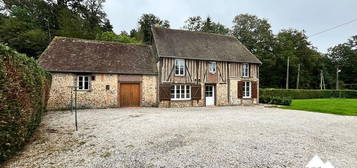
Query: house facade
[
  {"x": 107, "y": 75},
  {"x": 203, "y": 69},
  {"x": 180, "y": 69}
]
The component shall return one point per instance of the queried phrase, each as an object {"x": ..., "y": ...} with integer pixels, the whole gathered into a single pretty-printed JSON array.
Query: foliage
[
  {"x": 197, "y": 24},
  {"x": 307, "y": 94},
  {"x": 331, "y": 106},
  {"x": 28, "y": 26},
  {"x": 24, "y": 88},
  {"x": 344, "y": 56},
  {"x": 111, "y": 36},
  {"x": 275, "y": 100},
  {"x": 146, "y": 21}
]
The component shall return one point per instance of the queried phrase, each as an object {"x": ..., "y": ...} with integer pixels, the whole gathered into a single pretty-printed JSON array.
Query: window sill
[{"x": 180, "y": 99}]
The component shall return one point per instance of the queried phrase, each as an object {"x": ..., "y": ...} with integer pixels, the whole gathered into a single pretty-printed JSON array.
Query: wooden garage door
[{"x": 129, "y": 95}]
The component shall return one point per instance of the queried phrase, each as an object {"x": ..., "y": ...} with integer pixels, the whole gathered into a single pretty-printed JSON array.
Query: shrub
[
  {"x": 24, "y": 88},
  {"x": 275, "y": 100},
  {"x": 308, "y": 94}
]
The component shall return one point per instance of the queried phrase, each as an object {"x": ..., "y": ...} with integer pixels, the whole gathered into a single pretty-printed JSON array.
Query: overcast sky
[{"x": 311, "y": 15}]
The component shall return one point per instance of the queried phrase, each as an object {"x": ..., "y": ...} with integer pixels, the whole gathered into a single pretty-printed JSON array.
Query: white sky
[{"x": 311, "y": 15}]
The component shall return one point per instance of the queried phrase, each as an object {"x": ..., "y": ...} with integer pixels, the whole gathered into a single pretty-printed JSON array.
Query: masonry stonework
[
  {"x": 96, "y": 97},
  {"x": 149, "y": 91},
  {"x": 222, "y": 94}
]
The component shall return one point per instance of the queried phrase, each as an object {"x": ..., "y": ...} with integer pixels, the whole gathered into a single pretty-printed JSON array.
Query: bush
[
  {"x": 24, "y": 88},
  {"x": 308, "y": 94},
  {"x": 275, "y": 100}
]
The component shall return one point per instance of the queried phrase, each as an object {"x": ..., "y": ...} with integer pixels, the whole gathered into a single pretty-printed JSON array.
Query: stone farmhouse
[{"x": 180, "y": 69}]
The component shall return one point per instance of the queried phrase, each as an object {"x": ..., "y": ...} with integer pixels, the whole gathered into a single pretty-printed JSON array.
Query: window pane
[
  {"x": 188, "y": 91},
  {"x": 182, "y": 91},
  {"x": 86, "y": 85},
  {"x": 80, "y": 82},
  {"x": 177, "y": 91},
  {"x": 173, "y": 92}
]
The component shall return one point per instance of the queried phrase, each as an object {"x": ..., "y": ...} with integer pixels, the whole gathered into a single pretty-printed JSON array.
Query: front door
[
  {"x": 129, "y": 95},
  {"x": 209, "y": 92}
]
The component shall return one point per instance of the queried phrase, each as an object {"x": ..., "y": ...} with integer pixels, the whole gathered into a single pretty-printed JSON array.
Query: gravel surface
[{"x": 248, "y": 136}]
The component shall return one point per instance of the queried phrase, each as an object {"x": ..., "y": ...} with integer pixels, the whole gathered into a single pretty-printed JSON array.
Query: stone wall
[
  {"x": 96, "y": 97},
  {"x": 149, "y": 91},
  {"x": 233, "y": 93},
  {"x": 222, "y": 94}
]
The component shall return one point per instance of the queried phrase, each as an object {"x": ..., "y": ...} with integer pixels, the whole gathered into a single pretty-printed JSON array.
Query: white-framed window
[
  {"x": 247, "y": 89},
  {"x": 83, "y": 82},
  {"x": 245, "y": 70},
  {"x": 181, "y": 92},
  {"x": 179, "y": 67},
  {"x": 212, "y": 67}
]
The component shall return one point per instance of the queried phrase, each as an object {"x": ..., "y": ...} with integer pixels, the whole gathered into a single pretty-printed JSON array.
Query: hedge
[
  {"x": 24, "y": 88},
  {"x": 308, "y": 94},
  {"x": 286, "y": 101}
]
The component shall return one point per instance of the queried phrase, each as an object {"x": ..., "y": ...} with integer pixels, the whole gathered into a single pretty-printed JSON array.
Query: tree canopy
[
  {"x": 28, "y": 26},
  {"x": 196, "y": 23}
]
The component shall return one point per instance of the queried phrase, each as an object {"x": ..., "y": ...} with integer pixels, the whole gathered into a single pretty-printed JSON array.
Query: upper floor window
[
  {"x": 245, "y": 71},
  {"x": 179, "y": 67},
  {"x": 247, "y": 90},
  {"x": 83, "y": 82},
  {"x": 212, "y": 67}
]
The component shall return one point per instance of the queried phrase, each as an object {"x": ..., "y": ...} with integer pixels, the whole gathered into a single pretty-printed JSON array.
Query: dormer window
[
  {"x": 245, "y": 70},
  {"x": 179, "y": 67},
  {"x": 212, "y": 67}
]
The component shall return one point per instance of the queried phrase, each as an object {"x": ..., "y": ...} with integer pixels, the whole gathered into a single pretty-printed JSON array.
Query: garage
[{"x": 129, "y": 95}]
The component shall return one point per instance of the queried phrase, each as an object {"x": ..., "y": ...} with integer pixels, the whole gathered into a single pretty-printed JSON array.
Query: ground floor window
[
  {"x": 83, "y": 82},
  {"x": 247, "y": 90},
  {"x": 181, "y": 92}
]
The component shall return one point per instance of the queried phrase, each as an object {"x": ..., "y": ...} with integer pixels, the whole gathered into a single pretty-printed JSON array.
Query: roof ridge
[
  {"x": 98, "y": 41},
  {"x": 197, "y": 32}
]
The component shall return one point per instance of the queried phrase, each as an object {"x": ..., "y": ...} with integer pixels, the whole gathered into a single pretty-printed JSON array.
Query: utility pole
[
  {"x": 321, "y": 80},
  {"x": 287, "y": 75},
  {"x": 298, "y": 77},
  {"x": 337, "y": 71}
]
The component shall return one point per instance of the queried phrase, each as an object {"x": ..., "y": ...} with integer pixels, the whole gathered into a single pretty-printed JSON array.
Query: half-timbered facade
[{"x": 202, "y": 69}]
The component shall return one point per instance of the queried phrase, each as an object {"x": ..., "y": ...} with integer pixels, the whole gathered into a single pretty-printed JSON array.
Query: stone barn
[{"x": 107, "y": 74}]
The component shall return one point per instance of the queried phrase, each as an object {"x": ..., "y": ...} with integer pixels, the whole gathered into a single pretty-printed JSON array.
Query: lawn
[{"x": 332, "y": 106}]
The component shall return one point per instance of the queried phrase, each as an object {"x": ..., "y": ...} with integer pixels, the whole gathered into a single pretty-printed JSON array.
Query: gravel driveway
[{"x": 249, "y": 136}]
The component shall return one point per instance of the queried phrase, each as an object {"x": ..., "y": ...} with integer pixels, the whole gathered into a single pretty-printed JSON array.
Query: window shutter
[
  {"x": 196, "y": 92},
  {"x": 240, "y": 89},
  {"x": 254, "y": 89},
  {"x": 165, "y": 92},
  {"x": 250, "y": 74}
]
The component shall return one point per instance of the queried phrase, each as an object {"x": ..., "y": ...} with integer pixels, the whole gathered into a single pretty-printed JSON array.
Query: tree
[
  {"x": 344, "y": 56},
  {"x": 294, "y": 44},
  {"x": 33, "y": 23},
  {"x": 122, "y": 38},
  {"x": 197, "y": 24},
  {"x": 257, "y": 36},
  {"x": 146, "y": 21}
]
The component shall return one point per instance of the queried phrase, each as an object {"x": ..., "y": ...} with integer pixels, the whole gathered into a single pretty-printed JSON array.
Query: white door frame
[{"x": 210, "y": 100}]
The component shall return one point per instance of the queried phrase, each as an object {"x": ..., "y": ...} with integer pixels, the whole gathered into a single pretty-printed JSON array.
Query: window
[
  {"x": 212, "y": 67},
  {"x": 179, "y": 67},
  {"x": 247, "y": 89},
  {"x": 245, "y": 71},
  {"x": 83, "y": 82},
  {"x": 181, "y": 92}
]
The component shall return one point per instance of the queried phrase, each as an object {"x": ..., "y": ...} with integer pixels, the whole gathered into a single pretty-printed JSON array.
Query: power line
[{"x": 332, "y": 28}]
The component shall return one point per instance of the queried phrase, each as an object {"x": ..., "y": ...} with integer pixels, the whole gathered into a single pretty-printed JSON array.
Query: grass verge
[{"x": 331, "y": 106}]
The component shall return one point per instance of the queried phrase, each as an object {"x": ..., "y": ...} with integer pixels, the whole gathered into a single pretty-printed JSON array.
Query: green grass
[{"x": 331, "y": 106}]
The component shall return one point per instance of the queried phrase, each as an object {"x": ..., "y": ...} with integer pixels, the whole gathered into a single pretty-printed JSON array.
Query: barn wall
[{"x": 96, "y": 97}]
